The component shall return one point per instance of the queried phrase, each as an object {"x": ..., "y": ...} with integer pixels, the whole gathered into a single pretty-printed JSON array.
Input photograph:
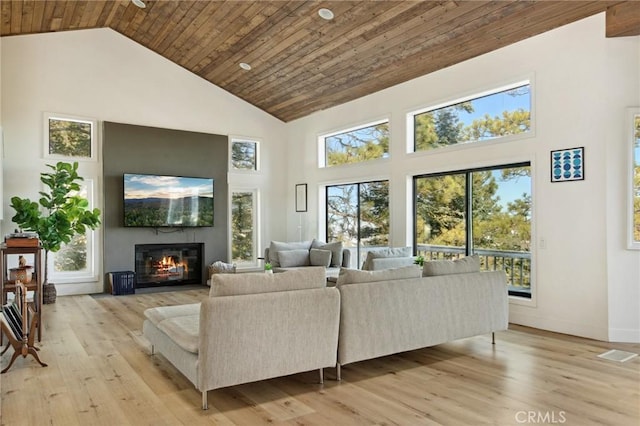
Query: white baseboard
[{"x": 624, "y": 335}]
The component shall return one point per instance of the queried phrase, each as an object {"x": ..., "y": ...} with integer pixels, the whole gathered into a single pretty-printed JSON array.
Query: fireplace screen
[{"x": 168, "y": 264}]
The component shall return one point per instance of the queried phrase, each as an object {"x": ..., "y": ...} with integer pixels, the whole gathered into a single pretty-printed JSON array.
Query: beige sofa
[
  {"x": 285, "y": 256},
  {"x": 251, "y": 327},
  {"x": 396, "y": 310},
  {"x": 387, "y": 257}
]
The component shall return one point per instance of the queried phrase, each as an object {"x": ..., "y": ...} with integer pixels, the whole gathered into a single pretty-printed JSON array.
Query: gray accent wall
[{"x": 148, "y": 150}]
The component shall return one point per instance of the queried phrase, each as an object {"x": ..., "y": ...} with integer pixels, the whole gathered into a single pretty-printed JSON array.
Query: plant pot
[
  {"x": 49, "y": 293},
  {"x": 24, "y": 274}
]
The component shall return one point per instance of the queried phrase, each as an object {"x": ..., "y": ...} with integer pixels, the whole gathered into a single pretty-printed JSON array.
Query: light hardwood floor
[{"x": 101, "y": 373}]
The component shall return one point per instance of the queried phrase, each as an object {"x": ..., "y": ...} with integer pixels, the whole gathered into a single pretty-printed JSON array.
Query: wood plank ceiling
[{"x": 300, "y": 62}]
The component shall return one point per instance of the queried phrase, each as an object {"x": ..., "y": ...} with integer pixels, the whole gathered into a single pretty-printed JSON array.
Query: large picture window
[
  {"x": 503, "y": 112},
  {"x": 357, "y": 145},
  {"x": 482, "y": 211},
  {"x": 358, "y": 215}
]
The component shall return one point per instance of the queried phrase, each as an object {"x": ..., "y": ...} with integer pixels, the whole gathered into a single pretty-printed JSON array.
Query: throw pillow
[
  {"x": 336, "y": 251},
  {"x": 449, "y": 267},
  {"x": 259, "y": 282},
  {"x": 355, "y": 276},
  {"x": 319, "y": 257},
  {"x": 386, "y": 252},
  {"x": 291, "y": 258},
  {"x": 276, "y": 246}
]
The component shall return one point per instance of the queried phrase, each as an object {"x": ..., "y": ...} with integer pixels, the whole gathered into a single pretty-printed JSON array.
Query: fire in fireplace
[{"x": 168, "y": 264}]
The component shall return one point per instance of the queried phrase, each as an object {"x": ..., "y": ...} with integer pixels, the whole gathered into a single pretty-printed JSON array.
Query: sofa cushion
[
  {"x": 319, "y": 257},
  {"x": 277, "y": 246},
  {"x": 336, "y": 251},
  {"x": 390, "y": 262},
  {"x": 183, "y": 330},
  {"x": 355, "y": 276},
  {"x": 161, "y": 313},
  {"x": 386, "y": 252},
  {"x": 291, "y": 258},
  {"x": 259, "y": 282},
  {"x": 449, "y": 267}
]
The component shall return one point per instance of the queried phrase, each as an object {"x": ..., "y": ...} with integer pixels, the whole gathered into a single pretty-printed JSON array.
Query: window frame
[
  {"x": 468, "y": 217},
  {"x": 322, "y": 145},
  {"x": 91, "y": 273},
  {"x": 255, "y": 263},
  {"x": 244, "y": 139},
  {"x": 356, "y": 257},
  {"x": 47, "y": 116},
  {"x": 632, "y": 113},
  {"x": 469, "y": 96}
]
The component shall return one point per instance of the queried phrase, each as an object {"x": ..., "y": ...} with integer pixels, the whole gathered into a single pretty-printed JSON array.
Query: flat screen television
[{"x": 167, "y": 201}]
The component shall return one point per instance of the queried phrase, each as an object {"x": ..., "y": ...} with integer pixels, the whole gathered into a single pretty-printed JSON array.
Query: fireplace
[{"x": 168, "y": 264}]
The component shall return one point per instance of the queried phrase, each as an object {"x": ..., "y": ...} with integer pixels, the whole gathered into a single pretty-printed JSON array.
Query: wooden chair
[{"x": 19, "y": 322}]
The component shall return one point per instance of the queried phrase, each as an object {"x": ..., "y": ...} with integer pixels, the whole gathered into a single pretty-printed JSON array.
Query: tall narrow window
[
  {"x": 358, "y": 215},
  {"x": 492, "y": 115},
  {"x": 483, "y": 211},
  {"x": 244, "y": 228},
  {"x": 75, "y": 260},
  {"x": 356, "y": 145},
  {"x": 634, "y": 203}
]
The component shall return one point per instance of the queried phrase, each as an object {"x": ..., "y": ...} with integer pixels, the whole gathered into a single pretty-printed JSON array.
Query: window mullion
[{"x": 468, "y": 213}]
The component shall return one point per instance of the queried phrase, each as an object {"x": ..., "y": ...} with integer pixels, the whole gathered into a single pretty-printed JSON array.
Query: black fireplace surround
[{"x": 168, "y": 264}]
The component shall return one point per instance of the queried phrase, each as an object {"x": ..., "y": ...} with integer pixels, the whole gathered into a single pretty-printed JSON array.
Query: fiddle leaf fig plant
[{"x": 60, "y": 213}]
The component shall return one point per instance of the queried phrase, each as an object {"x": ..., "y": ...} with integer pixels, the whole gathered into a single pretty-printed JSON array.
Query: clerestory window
[
  {"x": 487, "y": 116},
  {"x": 365, "y": 143}
]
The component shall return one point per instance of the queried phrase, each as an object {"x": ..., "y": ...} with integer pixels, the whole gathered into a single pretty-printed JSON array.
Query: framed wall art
[
  {"x": 301, "y": 197},
  {"x": 567, "y": 165}
]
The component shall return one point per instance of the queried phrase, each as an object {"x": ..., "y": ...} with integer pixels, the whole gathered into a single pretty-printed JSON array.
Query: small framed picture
[
  {"x": 67, "y": 137},
  {"x": 567, "y": 164},
  {"x": 301, "y": 197}
]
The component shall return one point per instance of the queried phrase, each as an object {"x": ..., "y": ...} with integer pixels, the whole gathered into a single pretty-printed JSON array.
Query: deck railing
[{"x": 516, "y": 264}]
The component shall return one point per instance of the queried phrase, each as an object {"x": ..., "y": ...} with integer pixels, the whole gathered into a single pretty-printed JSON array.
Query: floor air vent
[{"x": 616, "y": 355}]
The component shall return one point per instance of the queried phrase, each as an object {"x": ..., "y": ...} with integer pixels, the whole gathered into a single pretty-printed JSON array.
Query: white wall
[
  {"x": 586, "y": 282},
  {"x": 102, "y": 74}
]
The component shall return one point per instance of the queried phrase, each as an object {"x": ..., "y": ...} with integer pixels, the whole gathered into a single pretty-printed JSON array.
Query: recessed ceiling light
[
  {"x": 245, "y": 66},
  {"x": 139, "y": 3},
  {"x": 326, "y": 14}
]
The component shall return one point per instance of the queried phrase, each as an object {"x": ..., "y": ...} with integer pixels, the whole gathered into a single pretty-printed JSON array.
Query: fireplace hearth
[{"x": 168, "y": 264}]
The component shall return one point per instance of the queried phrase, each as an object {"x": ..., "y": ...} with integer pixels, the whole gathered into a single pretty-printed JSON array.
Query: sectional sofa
[{"x": 257, "y": 326}]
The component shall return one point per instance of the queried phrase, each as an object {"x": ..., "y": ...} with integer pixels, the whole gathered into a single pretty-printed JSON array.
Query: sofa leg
[
  {"x": 493, "y": 338},
  {"x": 338, "y": 372},
  {"x": 321, "y": 376},
  {"x": 205, "y": 403}
]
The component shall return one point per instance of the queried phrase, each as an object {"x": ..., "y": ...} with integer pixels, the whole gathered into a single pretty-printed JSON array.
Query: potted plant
[
  {"x": 419, "y": 260},
  {"x": 268, "y": 268},
  {"x": 60, "y": 214}
]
